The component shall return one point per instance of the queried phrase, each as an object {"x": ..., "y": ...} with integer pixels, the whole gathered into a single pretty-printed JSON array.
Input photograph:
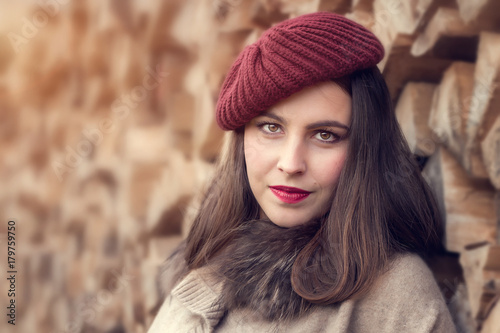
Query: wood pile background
[{"x": 107, "y": 137}]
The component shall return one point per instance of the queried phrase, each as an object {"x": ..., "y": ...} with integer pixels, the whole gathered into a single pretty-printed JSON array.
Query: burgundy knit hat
[{"x": 292, "y": 55}]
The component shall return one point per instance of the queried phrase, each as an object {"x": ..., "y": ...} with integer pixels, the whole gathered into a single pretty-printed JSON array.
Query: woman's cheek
[{"x": 329, "y": 168}]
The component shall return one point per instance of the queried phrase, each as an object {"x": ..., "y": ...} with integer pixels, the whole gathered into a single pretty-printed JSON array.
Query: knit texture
[
  {"x": 201, "y": 294},
  {"x": 292, "y": 55},
  {"x": 404, "y": 299}
]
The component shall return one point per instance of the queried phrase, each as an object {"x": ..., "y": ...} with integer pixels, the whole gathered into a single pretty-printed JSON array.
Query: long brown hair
[
  {"x": 227, "y": 203},
  {"x": 382, "y": 204}
]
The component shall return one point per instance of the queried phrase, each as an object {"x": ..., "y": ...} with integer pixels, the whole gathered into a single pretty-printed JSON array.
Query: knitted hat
[{"x": 292, "y": 55}]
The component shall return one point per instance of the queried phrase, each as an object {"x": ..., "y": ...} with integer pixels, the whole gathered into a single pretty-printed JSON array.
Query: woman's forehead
[{"x": 326, "y": 101}]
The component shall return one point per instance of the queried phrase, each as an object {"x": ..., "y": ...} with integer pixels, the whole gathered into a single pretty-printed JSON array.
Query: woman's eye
[
  {"x": 271, "y": 128},
  {"x": 326, "y": 136}
]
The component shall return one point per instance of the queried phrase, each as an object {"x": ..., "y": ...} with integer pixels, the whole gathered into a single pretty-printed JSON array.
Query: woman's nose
[{"x": 292, "y": 159}]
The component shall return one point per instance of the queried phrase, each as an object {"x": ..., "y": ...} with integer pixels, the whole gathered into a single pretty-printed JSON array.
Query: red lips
[{"x": 289, "y": 195}]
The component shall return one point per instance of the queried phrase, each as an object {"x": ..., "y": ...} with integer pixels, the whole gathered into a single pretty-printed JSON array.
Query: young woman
[{"x": 317, "y": 216}]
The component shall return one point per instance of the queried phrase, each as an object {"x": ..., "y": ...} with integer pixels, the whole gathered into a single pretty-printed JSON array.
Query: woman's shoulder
[
  {"x": 407, "y": 297},
  {"x": 407, "y": 279},
  {"x": 407, "y": 273}
]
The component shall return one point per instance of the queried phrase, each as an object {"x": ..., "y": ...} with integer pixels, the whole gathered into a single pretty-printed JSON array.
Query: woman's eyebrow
[
  {"x": 327, "y": 123},
  {"x": 276, "y": 117}
]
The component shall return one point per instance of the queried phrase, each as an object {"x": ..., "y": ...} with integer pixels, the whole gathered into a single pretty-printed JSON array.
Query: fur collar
[{"x": 256, "y": 269}]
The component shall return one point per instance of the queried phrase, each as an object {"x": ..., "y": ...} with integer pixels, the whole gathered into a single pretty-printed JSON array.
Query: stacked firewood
[
  {"x": 108, "y": 139},
  {"x": 445, "y": 86}
]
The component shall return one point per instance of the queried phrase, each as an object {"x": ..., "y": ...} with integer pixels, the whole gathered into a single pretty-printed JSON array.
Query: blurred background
[{"x": 107, "y": 137}]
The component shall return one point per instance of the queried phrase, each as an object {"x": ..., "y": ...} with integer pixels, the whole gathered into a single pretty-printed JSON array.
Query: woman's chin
[
  {"x": 291, "y": 222},
  {"x": 289, "y": 218}
]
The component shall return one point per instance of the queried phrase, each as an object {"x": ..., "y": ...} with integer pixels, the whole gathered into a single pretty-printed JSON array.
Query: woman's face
[{"x": 295, "y": 151}]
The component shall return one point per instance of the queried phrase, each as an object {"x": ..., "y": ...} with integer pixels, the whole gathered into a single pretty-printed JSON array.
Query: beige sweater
[{"x": 405, "y": 299}]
